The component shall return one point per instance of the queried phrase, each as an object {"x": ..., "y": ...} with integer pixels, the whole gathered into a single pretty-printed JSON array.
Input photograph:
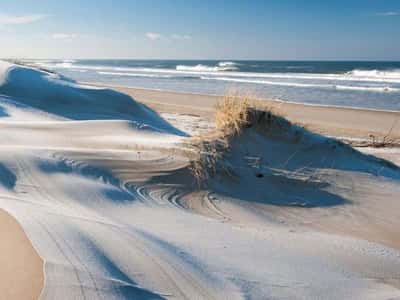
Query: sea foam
[{"x": 222, "y": 66}]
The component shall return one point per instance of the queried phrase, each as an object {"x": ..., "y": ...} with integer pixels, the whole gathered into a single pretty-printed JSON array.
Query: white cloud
[
  {"x": 153, "y": 36},
  {"x": 158, "y": 36},
  {"x": 65, "y": 36},
  {"x": 388, "y": 14},
  {"x": 21, "y": 19},
  {"x": 181, "y": 37}
]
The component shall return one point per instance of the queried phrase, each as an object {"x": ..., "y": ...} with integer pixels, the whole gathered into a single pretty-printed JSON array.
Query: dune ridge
[{"x": 100, "y": 184}]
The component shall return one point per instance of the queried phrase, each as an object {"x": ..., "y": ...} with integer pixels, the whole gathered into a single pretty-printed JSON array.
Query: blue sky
[{"x": 284, "y": 29}]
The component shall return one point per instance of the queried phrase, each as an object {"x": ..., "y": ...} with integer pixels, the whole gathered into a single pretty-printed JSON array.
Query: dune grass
[{"x": 233, "y": 115}]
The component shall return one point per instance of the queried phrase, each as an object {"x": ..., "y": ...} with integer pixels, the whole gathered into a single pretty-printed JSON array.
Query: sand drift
[{"x": 100, "y": 183}]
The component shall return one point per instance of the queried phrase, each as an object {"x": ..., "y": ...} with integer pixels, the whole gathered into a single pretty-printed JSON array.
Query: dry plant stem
[{"x": 386, "y": 141}]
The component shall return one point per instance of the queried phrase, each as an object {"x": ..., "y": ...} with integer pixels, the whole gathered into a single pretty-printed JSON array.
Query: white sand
[{"x": 98, "y": 184}]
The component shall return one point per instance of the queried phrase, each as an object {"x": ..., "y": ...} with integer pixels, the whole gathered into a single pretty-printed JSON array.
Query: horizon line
[{"x": 204, "y": 59}]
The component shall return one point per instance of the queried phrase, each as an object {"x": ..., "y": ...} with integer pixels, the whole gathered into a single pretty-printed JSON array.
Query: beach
[
  {"x": 352, "y": 125},
  {"x": 21, "y": 268},
  {"x": 327, "y": 120},
  {"x": 208, "y": 150},
  {"x": 106, "y": 205}
]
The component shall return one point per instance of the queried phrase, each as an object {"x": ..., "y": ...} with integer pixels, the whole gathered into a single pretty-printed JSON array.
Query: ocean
[{"x": 374, "y": 85}]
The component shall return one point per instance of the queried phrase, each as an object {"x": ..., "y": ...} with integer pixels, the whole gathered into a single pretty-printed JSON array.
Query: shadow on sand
[
  {"x": 57, "y": 95},
  {"x": 7, "y": 177}
]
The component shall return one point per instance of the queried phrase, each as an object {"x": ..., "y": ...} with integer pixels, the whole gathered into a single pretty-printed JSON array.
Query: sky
[{"x": 201, "y": 29}]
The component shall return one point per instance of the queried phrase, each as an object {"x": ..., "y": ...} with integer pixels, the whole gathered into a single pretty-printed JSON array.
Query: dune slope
[{"x": 101, "y": 187}]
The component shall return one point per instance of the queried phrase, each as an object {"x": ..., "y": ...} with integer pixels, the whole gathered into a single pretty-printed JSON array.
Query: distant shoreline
[
  {"x": 117, "y": 86},
  {"x": 364, "y": 84},
  {"x": 329, "y": 120}
]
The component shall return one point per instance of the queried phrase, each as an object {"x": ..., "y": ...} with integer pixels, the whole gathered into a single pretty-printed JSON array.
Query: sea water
[{"x": 374, "y": 85}]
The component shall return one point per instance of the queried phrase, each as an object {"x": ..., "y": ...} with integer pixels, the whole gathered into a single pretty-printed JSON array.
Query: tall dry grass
[{"x": 233, "y": 114}]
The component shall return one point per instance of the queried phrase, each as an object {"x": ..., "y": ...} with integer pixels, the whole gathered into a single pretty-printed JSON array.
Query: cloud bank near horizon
[{"x": 6, "y": 19}]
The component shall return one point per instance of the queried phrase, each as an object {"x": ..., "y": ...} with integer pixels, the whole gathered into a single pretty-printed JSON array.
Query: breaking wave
[
  {"x": 145, "y": 75},
  {"x": 386, "y": 74},
  {"x": 379, "y": 89},
  {"x": 222, "y": 66}
]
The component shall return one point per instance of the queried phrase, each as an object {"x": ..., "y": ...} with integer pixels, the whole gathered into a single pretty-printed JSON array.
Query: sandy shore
[
  {"x": 344, "y": 123},
  {"x": 117, "y": 183},
  {"x": 21, "y": 270},
  {"x": 328, "y": 120}
]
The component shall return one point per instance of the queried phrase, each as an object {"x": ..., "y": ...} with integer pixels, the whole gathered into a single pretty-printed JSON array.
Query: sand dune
[{"x": 100, "y": 185}]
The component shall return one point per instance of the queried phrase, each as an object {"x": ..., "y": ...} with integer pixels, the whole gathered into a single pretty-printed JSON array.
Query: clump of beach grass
[
  {"x": 205, "y": 157},
  {"x": 233, "y": 115}
]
